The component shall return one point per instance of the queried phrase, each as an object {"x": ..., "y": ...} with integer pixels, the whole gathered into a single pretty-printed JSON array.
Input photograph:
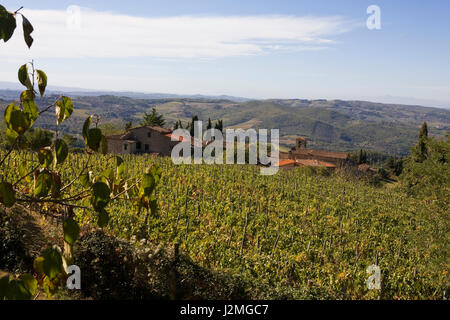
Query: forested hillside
[{"x": 334, "y": 124}]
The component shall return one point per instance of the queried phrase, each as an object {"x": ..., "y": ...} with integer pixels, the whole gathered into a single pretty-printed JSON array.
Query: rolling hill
[{"x": 328, "y": 124}]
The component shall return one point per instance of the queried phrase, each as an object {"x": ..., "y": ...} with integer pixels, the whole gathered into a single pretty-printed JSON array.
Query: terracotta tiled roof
[
  {"x": 314, "y": 163},
  {"x": 123, "y": 136},
  {"x": 159, "y": 129},
  {"x": 321, "y": 153},
  {"x": 286, "y": 162}
]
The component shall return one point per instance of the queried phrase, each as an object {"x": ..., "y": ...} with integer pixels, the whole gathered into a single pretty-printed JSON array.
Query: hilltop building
[
  {"x": 146, "y": 139},
  {"x": 301, "y": 156}
]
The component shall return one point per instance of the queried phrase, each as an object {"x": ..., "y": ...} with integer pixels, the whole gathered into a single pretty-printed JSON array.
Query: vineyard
[{"x": 313, "y": 234}]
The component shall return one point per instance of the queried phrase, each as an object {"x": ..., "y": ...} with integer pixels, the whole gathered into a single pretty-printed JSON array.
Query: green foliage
[
  {"x": 153, "y": 119},
  {"x": 426, "y": 174},
  {"x": 64, "y": 109},
  {"x": 419, "y": 152},
  {"x": 16, "y": 119},
  {"x": 41, "y": 183},
  {"x": 14, "y": 255},
  {"x": 23, "y": 288},
  {"x": 42, "y": 81},
  {"x": 71, "y": 231},
  {"x": 61, "y": 151},
  {"x": 39, "y": 138},
  {"x": 7, "y": 24},
  {"x": 100, "y": 196},
  {"x": 24, "y": 77},
  {"x": 7, "y": 195}
]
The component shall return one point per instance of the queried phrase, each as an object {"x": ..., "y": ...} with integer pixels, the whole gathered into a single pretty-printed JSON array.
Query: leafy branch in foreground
[{"x": 43, "y": 188}]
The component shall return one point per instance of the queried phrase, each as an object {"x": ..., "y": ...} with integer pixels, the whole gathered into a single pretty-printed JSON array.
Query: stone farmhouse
[
  {"x": 301, "y": 156},
  {"x": 146, "y": 139}
]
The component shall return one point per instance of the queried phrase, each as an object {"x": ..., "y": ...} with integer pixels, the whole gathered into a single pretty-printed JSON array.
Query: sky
[{"x": 247, "y": 48}]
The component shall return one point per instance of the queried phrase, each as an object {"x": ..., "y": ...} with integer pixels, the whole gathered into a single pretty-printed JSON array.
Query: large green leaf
[
  {"x": 42, "y": 183},
  {"x": 4, "y": 284},
  {"x": 7, "y": 24},
  {"x": 156, "y": 172},
  {"x": 148, "y": 184},
  {"x": 17, "y": 291},
  {"x": 27, "y": 30},
  {"x": 71, "y": 231},
  {"x": 30, "y": 108},
  {"x": 103, "y": 218},
  {"x": 64, "y": 109},
  {"x": 11, "y": 136},
  {"x": 61, "y": 150},
  {"x": 16, "y": 119},
  {"x": 104, "y": 145},
  {"x": 85, "y": 180},
  {"x": 86, "y": 125},
  {"x": 100, "y": 196},
  {"x": 27, "y": 95},
  {"x": 24, "y": 77},
  {"x": 120, "y": 165},
  {"x": 45, "y": 157},
  {"x": 52, "y": 264},
  {"x": 153, "y": 204},
  {"x": 56, "y": 185},
  {"x": 94, "y": 138},
  {"x": 29, "y": 283},
  {"x": 7, "y": 194},
  {"x": 42, "y": 81}
]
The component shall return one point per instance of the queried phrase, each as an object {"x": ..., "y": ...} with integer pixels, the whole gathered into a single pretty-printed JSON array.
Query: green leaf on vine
[
  {"x": 85, "y": 180},
  {"x": 61, "y": 150},
  {"x": 45, "y": 157},
  {"x": 52, "y": 264},
  {"x": 24, "y": 78},
  {"x": 42, "y": 183},
  {"x": 31, "y": 109},
  {"x": 7, "y": 24},
  {"x": 7, "y": 194},
  {"x": 4, "y": 282},
  {"x": 148, "y": 184},
  {"x": 16, "y": 119},
  {"x": 94, "y": 138},
  {"x": 120, "y": 165},
  {"x": 30, "y": 283},
  {"x": 64, "y": 109},
  {"x": 86, "y": 125},
  {"x": 27, "y": 30},
  {"x": 42, "y": 81},
  {"x": 103, "y": 218},
  {"x": 11, "y": 136},
  {"x": 71, "y": 231},
  {"x": 104, "y": 145},
  {"x": 100, "y": 196},
  {"x": 27, "y": 95}
]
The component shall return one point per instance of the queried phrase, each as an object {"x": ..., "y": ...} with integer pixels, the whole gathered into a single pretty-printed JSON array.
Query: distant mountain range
[
  {"x": 8, "y": 90},
  {"x": 329, "y": 124}
]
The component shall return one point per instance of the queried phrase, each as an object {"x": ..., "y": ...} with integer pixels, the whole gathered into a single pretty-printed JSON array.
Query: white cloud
[{"x": 110, "y": 35}]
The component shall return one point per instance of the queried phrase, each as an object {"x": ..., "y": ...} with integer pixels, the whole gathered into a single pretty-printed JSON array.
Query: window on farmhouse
[
  {"x": 125, "y": 146},
  {"x": 147, "y": 147},
  {"x": 149, "y": 134},
  {"x": 138, "y": 145}
]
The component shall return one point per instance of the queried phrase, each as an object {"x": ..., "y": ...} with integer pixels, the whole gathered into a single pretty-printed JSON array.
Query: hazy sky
[{"x": 250, "y": 48}]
